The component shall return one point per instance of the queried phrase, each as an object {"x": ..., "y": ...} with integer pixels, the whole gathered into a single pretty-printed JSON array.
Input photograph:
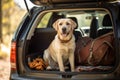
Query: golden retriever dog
[{"x": 61, "y": 50}]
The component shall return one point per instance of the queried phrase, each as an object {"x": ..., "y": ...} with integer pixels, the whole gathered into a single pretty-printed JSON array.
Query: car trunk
[
  {"x": 35, "y": 46},
  {"x": 41, "y": 40}
]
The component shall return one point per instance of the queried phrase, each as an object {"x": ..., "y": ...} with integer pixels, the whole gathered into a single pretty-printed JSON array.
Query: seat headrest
[
  {"x": 107, "y": 21},
  {"x": 54, "y": 17},
  {"x": 74, "y": 19}
]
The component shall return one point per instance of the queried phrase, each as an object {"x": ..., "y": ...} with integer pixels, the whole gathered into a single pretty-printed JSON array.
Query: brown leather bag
[{"x": 97, "y": 51}]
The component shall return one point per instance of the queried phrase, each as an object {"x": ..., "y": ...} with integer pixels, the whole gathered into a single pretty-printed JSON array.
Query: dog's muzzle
[{"x": 64, "y": 30}]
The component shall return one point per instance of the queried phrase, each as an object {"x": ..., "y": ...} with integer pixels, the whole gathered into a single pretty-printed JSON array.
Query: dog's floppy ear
[
  {"x": 55, "y": 25},
  {"x": 74, "y": 25}
]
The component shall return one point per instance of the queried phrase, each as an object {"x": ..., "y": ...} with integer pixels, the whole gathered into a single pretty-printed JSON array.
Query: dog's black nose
[{"x": 64, "y": 29}]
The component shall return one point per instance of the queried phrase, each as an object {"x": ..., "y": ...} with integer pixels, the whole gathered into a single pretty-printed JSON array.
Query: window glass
[
  {"x": 85, "y": 20},
  {"x": 44, "y": 21}
]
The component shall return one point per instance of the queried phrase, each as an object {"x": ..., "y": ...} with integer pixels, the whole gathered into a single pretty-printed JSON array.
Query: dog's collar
[{"x": 64, "y": 41}]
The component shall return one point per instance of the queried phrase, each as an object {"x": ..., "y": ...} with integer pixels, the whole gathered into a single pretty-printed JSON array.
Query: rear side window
[
  {"x": 44, "y": 21},
  {"x": 89, "y": 22}
]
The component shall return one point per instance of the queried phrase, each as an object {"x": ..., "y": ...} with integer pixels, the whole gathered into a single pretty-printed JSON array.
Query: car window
[
  {"x": 44, "y": 21},
  {"x": 89, "y": 22},
  {"x": 85, "y": 19}
]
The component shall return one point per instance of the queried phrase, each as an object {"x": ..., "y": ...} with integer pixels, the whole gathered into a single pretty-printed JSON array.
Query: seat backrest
[
  {"x": 76, "y": 33},
  {"x": 107, "y": 21},
  {"x": 41, "y": 39},
  {"x": 75, "y": 20},
  {"x": 53, "y": 18},
  {"x": 107, "y": 26},
  {"x": 93, "y": 27}
]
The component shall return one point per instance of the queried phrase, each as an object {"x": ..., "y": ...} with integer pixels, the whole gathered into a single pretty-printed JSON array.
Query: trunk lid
[{"x": 52, "y": 2}]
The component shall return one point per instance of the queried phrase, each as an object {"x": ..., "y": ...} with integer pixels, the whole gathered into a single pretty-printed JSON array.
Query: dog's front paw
[
  {"x": 72, "y": 69},
  {"x": 62, "y": 70}
]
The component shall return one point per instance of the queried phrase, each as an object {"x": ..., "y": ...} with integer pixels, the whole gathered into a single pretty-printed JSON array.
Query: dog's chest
[
  {"x": 66, "y": 54},
  {"x": 66, "y": 49}
]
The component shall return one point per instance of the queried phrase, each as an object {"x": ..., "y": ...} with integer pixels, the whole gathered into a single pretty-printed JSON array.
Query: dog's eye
[
  {"x": 67, "y": 23},
  {"x": 60, "y": 24}
]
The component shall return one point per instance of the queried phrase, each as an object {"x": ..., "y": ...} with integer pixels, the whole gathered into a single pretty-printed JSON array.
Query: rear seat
[
  {"x": 41, "y": 39},
  {"x": 107, "y": 26},
  {"x": 76, "y": 33}
]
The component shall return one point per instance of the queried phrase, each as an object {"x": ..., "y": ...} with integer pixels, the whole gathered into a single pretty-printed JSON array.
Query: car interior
[{"x": 97, "y": 23}]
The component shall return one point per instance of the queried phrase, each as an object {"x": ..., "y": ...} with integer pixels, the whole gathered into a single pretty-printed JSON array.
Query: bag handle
[{"x": 91, "y": 50}]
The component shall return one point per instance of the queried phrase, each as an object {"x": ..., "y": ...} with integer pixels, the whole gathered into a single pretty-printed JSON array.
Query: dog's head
[{"x": 64, "y": 27}]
